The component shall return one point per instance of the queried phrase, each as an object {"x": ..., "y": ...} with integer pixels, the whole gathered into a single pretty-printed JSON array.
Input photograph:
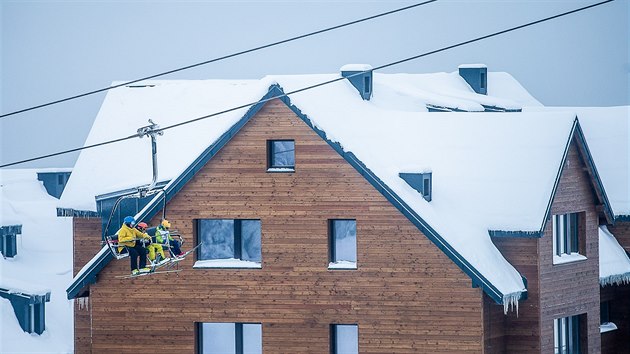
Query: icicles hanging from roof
[
  {"x": 617, "y": 279},
  {"x": 510, "y": 301}
]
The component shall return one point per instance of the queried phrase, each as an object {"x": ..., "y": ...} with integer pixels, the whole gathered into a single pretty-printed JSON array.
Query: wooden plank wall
[
  {"x": 621, "y": 230},
  {"x": 522, "y": 329},
  {"x": 86, "y": 243},
  {"x": 556, "y": 291},
  {"x": 617, "y": 341},
  {"x": 572, "y": 288},
  {"x": 406, "y": 296}
]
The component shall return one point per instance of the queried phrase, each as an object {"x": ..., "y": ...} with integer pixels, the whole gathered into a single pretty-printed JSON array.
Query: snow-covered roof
[
  {"x": 614, "y": 264},
  {"x": 476, "y": 159},
  {"x": 607, "y": 132},
  {"x": 41, "y": 267}
]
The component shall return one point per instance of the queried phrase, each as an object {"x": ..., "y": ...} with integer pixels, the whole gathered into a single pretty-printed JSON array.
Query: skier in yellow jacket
[{"x": 130, "y": 237}]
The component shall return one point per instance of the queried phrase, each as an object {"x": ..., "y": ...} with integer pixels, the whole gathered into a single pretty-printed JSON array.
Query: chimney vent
[
  {"x": 360, "y": 76},
  {"x": 476, "y": 75}
]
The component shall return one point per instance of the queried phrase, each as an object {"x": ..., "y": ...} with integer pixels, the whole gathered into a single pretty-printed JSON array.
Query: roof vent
[
  {"x": 421, "y": 182},
  {"x": 476, "y": 75},
  {"x": 360, "y": 76}
]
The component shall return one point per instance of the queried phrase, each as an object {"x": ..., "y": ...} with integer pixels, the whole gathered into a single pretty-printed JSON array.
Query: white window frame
[
  {"x": 566, "y": 238},
  {"x": 566, "y": 335}
]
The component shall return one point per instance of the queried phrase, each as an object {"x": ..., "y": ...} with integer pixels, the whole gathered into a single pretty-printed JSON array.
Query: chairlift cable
[
  {"x": 219, "y": 58},
  {"x": 318, "y": 84}
]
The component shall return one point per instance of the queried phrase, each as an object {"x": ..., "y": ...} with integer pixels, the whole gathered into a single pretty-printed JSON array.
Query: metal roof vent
[
  {"x": 360, "y": 76},
  {"x": 476, "y": 75}
]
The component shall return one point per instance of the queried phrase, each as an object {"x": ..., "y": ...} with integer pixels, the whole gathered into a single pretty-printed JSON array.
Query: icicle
[
  {"x": 83, "y": 302},
  {"x": 69, "y": 212},
  {"x": 510, "y": 301},
  {"x": 617, "y": 279}
]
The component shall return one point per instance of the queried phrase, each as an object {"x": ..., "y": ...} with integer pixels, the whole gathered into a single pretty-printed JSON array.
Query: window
[
  {"x": 366, "y": 84},
  {"x": 60, "y": 179},
  {"x": 566, "y": 237},
  {"x": 344, "y": 339},
  {"x": 482, "y": 80},
  {"x": 229, "y": 338},
  {"x": 228, "y": 243},
  {"x": 343, "y": 244},
  {"x": 281, "y": 155},
  {"x": 566, "y": 335}
]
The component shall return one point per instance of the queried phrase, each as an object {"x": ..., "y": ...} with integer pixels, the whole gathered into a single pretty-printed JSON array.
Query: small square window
[
  {"x": 229, "y": 338},
  {"x": 281, "y": 155},
  {"x": 343, "y": 244},
  {"x": 229, "y": 243},
  {"x": 344, "y": 339},
  {"x": 567, "y": 238}
]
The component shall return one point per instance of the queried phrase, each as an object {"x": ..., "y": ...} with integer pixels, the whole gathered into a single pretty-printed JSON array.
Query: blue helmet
[{"x": 129, "y": 220}]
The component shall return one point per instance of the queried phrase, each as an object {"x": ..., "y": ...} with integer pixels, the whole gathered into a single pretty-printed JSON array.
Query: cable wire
[
  {"x": 220, "y": 58},
  {"x": 321, "y": 83}
]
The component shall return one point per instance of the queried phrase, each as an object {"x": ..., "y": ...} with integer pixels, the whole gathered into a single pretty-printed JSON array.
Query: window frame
[
  {"x": 333, "y": 262},
  {"x": 271, "y": 166},
  {"x": 568, "y": 237},
  {"x": 238, "y": 335},
  {"x": 333, "y": 336},
  {"x": 237, "y": 236},
  {"x": 563, "y": 329}
]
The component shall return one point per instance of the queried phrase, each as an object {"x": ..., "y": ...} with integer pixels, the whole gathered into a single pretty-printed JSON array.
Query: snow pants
[
  {"x": 175, "y": 247},
  {"x": 155, "y": 247},
  {"x": 135, "y": 252}
]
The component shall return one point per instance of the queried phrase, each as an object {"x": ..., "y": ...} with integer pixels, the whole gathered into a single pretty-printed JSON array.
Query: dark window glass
[
  {"x": 226, "y": 238},
  {"x": 282, "y": 154}
]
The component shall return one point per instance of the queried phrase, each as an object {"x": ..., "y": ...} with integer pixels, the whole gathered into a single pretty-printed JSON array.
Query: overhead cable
[
  {"x": 321, "y": 83},
  {"x": 219, "y": 58}
]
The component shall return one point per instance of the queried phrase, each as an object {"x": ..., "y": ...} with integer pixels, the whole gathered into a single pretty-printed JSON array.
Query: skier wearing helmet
[
  {"x": 128, "y": 236},
  {"x": 153, "y": 247},
  {"x": 163, "y": 234}
]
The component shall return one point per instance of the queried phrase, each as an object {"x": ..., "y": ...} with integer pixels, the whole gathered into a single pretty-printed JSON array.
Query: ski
[{"x": 127, "y": 276}]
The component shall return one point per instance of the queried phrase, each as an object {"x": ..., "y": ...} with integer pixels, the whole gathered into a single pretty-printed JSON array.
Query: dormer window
[
  {"x": 421, "y": 182},
  {"x": 280, "y": 156}
]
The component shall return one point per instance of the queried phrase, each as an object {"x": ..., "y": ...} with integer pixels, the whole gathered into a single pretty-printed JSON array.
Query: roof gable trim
[{"x": 598, "y": 186}]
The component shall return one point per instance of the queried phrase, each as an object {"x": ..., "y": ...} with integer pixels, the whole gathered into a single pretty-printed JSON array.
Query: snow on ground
[{"x": 43, "y": 262}]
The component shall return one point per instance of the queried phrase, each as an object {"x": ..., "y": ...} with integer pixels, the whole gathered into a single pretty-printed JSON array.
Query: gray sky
[{"x": 54, "y": 49}]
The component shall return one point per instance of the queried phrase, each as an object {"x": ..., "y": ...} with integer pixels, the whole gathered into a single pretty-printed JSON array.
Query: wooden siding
[
  {"x": 556, "y": 291},
  {"x": 616, "y": 342},
  {"x": 86, "y": 243},
  {"x": 572, "y": 288},
  {"x": 406, "y": 296},
  {"x": 522, "y": 331},
  {"x": 621, "y": 230}
]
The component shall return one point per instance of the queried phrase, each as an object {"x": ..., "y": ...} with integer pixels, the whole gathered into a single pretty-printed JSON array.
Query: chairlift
[{"x": 141, "y": 191}]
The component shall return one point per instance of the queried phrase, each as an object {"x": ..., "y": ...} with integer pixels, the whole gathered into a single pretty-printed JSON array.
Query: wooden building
[{"x": 332, "y": 222}]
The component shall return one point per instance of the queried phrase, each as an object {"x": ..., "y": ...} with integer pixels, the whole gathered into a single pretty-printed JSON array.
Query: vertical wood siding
[
  {"x": 562, "y": 290},
  {"x": 406, "y": 296}
]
